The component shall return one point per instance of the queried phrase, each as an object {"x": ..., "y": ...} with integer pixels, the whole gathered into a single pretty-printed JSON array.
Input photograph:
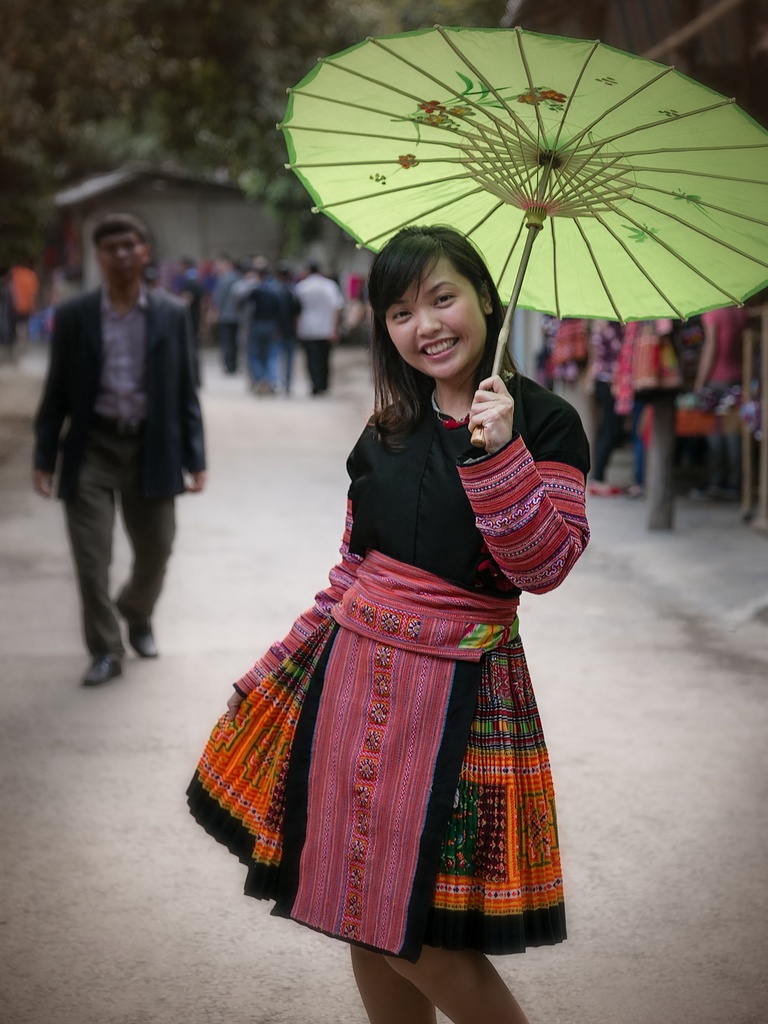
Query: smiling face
[{"x": 438, "y": 327}]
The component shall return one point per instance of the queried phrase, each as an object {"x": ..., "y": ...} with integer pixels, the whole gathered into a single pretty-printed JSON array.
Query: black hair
[
  {"x": 403, "y": 394},
  {"x": 119, "y": 224}
]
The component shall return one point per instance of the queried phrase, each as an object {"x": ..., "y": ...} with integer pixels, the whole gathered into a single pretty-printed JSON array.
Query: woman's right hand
[{"x": 233, "y": 705}]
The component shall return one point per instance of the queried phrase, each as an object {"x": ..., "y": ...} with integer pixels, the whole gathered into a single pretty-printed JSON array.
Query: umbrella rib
[
  {"x": 420, "y": 99},
  {"x": 596, "y": 265},
  {"x": 673, "y": 252},
  {"x": 586, "y": 188},
  {"x": 348, "y": 104},
  {"x": 484, "y": 218},
  {"x": 694, "y": 149},
  {"x": 699, "y": 231},
  {"x": 367, "y": 135},
  {"x": 574, "y": 178},
  {"x": 424, "y": 213},
  {"x": 512, "y": 248},
  {"x": 499, "y": 167},
  {"x": 697, "y": 174},
  {"x": 698, "y": 202},
  {"x": 391, "y": 191},
  {"x": 665, "y": 120},
  {"x": 561, "y": 123},
  {"x": 625, "y": 99},
  {"x": 518, "y": 121},
  {"x": 470, "y": 136},
  {"x": 479, "y": 135},
  {"x": 571, "y": 97},
  {"x": 633, "y": 184},
  {"x": 638, "y": 264},
  {"x": 373, "y": 163},
  {"x": 531, "y": 87}
]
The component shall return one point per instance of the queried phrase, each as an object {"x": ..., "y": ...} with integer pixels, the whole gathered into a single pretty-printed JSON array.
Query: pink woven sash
[{"x": 414, "y": 610}]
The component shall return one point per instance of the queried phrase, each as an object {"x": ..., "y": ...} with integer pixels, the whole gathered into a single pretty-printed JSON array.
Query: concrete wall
[
  {"x": 202, "y": 223},
  {"x": 185, "y": 221}
]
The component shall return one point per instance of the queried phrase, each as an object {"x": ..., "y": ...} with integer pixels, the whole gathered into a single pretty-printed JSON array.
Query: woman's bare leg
[
  {"x": 463, "y": 984},
  {"x": 387, "y": 996}
]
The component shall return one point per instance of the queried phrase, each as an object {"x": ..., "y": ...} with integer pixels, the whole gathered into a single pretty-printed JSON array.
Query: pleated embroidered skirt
[{"x": 389, "y": 783}]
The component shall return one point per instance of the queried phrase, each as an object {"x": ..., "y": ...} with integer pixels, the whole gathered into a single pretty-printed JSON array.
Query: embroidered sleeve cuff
[
  {"x": 531, "y": 515},
  {"x": 482, "y": 477}
]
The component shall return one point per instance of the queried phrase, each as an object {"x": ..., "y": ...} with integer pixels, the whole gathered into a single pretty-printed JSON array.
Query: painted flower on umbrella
[
  {"x": 438, "y": 115},
  {"x": 548, "y": 97},
  {"x": 407, "y": 160}
]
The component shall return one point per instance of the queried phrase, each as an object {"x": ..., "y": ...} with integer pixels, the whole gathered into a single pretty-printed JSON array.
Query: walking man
[
  {"x": 290, "y": 307},
  {"x": 226, "y": 312},
  {"x": 121, "y": 384},
  {"x": 263, "y": 302},
  {"x": 318, "y": 325}
]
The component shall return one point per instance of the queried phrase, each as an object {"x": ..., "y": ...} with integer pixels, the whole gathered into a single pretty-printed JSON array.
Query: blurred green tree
[{"x": 88, "y": 84}]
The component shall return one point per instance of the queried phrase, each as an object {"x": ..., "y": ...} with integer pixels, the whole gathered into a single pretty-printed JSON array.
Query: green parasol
[{"x": 646, "y": 193}]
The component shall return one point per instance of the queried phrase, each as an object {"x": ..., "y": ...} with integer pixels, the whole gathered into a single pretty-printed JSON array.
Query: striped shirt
[{"x": 122, "y": 387}]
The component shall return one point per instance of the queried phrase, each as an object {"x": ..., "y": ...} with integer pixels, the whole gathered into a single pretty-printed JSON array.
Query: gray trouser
[
  {"x": 110, "y": 470},
  {"x": 724, "y": 460}
]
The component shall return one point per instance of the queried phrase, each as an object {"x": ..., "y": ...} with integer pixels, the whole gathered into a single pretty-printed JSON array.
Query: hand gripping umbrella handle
[
  {"x": 478, "y": 434},
  {"x": 535, "y": 223}
]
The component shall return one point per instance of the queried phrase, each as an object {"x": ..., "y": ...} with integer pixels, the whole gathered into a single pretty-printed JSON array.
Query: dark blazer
[{"x": 173, "y": 437}]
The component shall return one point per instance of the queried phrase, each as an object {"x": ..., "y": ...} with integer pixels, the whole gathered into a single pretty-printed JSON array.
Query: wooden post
[
  {"x": 760, "y": 522},
  {"x": 747, "y": 461},
  {"x": 661, "y": 455}
]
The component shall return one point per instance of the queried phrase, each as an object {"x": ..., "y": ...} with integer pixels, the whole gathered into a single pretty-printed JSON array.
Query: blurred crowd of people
[
  {"x": 258, "y": 315},
  {"x": 625, "y": 367}
]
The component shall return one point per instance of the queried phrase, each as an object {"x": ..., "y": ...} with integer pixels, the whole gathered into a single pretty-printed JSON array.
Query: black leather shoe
[
  {"x": 102, "y": 670},
  {"x": 141, "y": 639}
]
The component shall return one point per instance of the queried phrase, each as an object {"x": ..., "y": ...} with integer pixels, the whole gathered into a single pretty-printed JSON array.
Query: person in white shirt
[{"x": 317, "y": 327}]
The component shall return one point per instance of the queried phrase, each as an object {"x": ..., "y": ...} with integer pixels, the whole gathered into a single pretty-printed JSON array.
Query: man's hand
[{"x": 42, "y": 481}]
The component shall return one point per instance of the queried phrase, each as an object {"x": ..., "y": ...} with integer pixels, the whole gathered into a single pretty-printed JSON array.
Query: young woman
[{"x": 382, "y": 771}]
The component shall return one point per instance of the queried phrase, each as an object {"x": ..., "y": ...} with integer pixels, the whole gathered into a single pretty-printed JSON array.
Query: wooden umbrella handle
[
  {"x": 478, "y": 434},
  {"x": 478, "y": 437},
  {"x": 535, "y": 217}
]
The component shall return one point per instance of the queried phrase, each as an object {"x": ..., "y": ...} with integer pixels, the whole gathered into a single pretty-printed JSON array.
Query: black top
[
  {"x": 265, "y": 303},
  {"x": 410, "y": 504}
]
